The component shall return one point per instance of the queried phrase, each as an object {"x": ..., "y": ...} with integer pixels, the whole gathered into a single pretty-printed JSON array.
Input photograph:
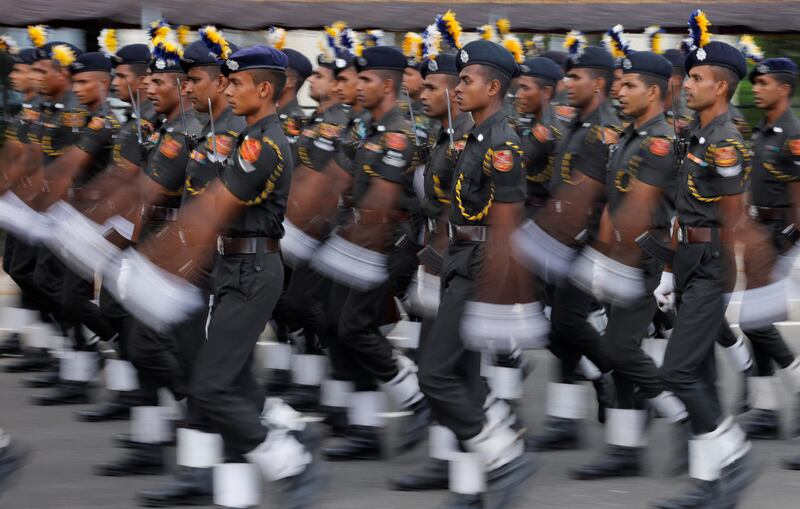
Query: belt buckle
[
  {"x": 681, "y": 234},
  {"x": 356, "y": 215},
  {"x": 431, "y": 225},
  {"x": 220, "y": 246},
  {"x": 451, "y": 231},
  {"x": 558, "y": 206},
  {"x": 753, "y": 211}
]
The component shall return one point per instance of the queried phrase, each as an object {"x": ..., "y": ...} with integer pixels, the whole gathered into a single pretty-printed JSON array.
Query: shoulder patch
[
  {"x": 725, "y": 156},
  {"x": 292, "y": 126},
  {"x": 502, "y": 160},
  {"x": 170, "y": 147},
  {"x": 72, "y": 119},
  {"x": 250, "y": 149},
  {"x": 794, "y": 147},
  {"x": 459, "y": 145},
  {"x": 395, "y": 141},
  {"x": 564, "y": 113},
  {"x": 541, "y": 133},
  {"x": 659, "y": 146},
  {"x": 225, "y": 145},
  {"x": 96, "y": 123},
  {"x": 610, "y": 136},
  {"x": 329, "y": 131}
]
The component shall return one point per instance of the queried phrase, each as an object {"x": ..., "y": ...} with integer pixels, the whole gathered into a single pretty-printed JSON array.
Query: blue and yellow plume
[
  {"x": 617, "y": 44},
  {"x": 654, "y": 38},
  {"x": 158, "y": 31},
  {"x": 698, "y": 29},
  {"x": 216, "y": 42},
  {"x": 38, "y": 35},
  {"x": 63, "y": 54},
  {"x": 574, "y": 43},
  {"x": 750, "y": 50},
  {"x": 488, "y": 32},
  {"x": 431, "y": 42},
  {"x": 8, "y": 44},
  {"x": 373, "y": 38},
  {"x": 107, "y": 41},
  {"x": 183, "y": 32},
  {"x": 350, "y": 42},
  {"x": 276, "y": 37},
  {"x": 503, "y": 26},
  {"x": 449, "y": 28},
  {"x": 412, "y": 47},
  {"x": 514, "y": 46}
]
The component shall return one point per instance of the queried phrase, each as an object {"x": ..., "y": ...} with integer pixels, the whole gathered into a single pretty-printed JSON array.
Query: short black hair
[
  {"x": 606, "y": 74},
  {"x": 491, "y": 73},
  {"x": 395, "y": 76},
  {"x": 212, "y": 70},
  {"x": 139, "y": 69},
  {"x": 786, "y": 79},
  {"x": 275, "y": 77},
  {"x": 728, "y": 76},
  {"x": 543, "y": 83},
  {"x": 649, "y": 80}
]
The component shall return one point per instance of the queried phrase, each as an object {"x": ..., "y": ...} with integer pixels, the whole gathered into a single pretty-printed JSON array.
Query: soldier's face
[
  {"x": 580, "y": 87},
  {"x": 530, "y": 97},
  {"x": 634, "y": 96},
  {"x": 245, "y": 97},
  {"x": 474, "y": 89},
  {"x": 162, "y": 91},
  {"x": 90, "y": 87},
  {"x": 768, "y": 92},
  {"x": 321, "y": 84},
  {"x": 701, "y": 88},
  {"x": 49, "y": 77},
  {"x": 347, "y": 86},
  {"x": 617, "y": 83},
  {"x": 124, "y": 83},
  {"x": 371, "y": 89},
  {"x": 434, "y": 95},
  {"x": 412, "y": 81},
  {"x": 22, "y": 78},
  {"x": 200, "y": 87}
]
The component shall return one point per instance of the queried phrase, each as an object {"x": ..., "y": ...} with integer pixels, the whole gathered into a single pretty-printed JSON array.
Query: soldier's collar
[
  {"x": 644, "y": 130},
  {"x": 479, "y": 131},
  {"x": 258, "y": 124},
  {"x": 776, "y": 126},
  {"x": 701, "y": 133},
  {"x": 381, "y": 125}
]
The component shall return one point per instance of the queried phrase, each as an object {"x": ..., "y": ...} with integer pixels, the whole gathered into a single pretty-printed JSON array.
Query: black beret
[
  {"x": 298, "y": 62},
  {"x": 677, "y": 58},
  {"x": 25, "y": 56},
  {"x": 781, "y": 65},
  {"x": 559, "y": 57},
  {"x": 543, "y": 68},
  {"x": 343, "y": 62},
  {"x": 489, "y": 53},
  {"x": 46, "y": 51},
  {"x": 132, "y": 54},
  {"x": 646, "y": 62},
  {"x": 720, "y": 54},
  {"x": 444, "y": 63},
  {"x": 197, "y": 54},
  {"x": 90, "y": 62},
  {"x": 381, "y": 57},
  {"x": 592, "y": 57},
  {"x": 255, "y": 57}
]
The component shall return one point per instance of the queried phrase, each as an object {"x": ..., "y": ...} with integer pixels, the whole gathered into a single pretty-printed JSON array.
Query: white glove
[{"x": 664, "y": 292}]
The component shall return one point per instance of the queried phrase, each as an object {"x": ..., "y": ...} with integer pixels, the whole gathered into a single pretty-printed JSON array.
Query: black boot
[
  {"x": 504, "y": 483},
  {"x": 435, "y": 475},
  {"x": 12, "y": 457},
  {"x": 300, "y": 491},
  {"x": 458, "y": 501},
  {"x": 11, "y": 347},
  {"x": 792, "y": 463},
  {"x": 700, "y": 495},
  {"x": 41, "y": 382},
  {"x": 416, "y": 426},
  {"x": 605, "y": 392},
  {"x": 743, "y": 404},
  {"x": 36, "y": 360},
  {"x": 115, "y": 410},
  {"x": 278, "y": 382},
  {"x": 192, "y": 486},
  {"x": 760, "y": 424},
  {"x": 336, "y": 420},
  {"x": 361, "y": 443},
  {"x": 614, "y": 462},
  {"x": 680, "y": 460},
  {"x": 735, "y": 479},
  {"x": 146, "y": 459},
  {"x": 557, "y": 434},
  {"x": 125, "y": 441},
  {"x": 67, "y": 393},
  {"x": 303, "y": 398}
]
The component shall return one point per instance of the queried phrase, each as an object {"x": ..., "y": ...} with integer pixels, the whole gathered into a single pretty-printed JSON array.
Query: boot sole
[
  {"x": 608, "y": 475},
  {"x": 502, "y": 493},
  {"x": 189, "y": 501},
  {"x": 135, "y": 471},
  {"x": 748, "y": 468},
  {"x": 44, "y": 402}
]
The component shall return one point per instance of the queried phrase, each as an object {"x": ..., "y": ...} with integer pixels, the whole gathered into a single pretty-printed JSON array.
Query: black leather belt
[
  {"x": 467, "y": 233},
  {"x": 700, "y": 234},
  {"x": 768, "y": 213},
  {"x": 156, "y": 213},
  {"x": 247, "y": 245}
]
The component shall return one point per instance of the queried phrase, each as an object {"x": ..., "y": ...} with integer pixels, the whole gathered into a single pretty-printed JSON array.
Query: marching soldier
[
  {"x": 292, "y": 116},
  {"x": 709, "y": 205}
]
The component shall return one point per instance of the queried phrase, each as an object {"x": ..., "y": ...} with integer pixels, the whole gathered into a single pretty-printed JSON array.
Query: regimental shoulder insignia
[
  {"x": 372, "y": 147},
  {"x": 330, "y": 131},
  {"x": 225, "y": 145},
  {"x": 564, "y": 113},
  {"x": 794, "y": 147},
  {"x": 72, "y": 119},
  {"x": 292, "y": 126},
  {"x": 31, "y": 115},
  {"x": 502, "y": 160},
  {"x": 309, "y": 133},
  {"x": 725, "y": 156},
  {"x": 154, "y": 136},
  {"x": 395, "y": 141},
  {"x": 541, "y": 133},
  {"x": 610, "y": 136},
  {"x": 249, "y": 150},
  {"x": 459, "y": 145},
  {"x": 197, "y": 156},
  {"x": 659, "y": 146},
  {"x": 170, "y": 147},
  {"x": 96, "y": 123}
]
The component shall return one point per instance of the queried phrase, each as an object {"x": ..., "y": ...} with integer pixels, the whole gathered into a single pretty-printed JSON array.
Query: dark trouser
[
  {"x": 449, "y": 374},
  {"x": 571, "y": 335},
  {"x": 627, "y": 325},
  {"x": 689, "y": 368},
  {"x": 303, "y": 303},
  {"x": 768, "y": 346},
  {"x": 76, "y": 301},
  {"x": 246, "y": 289},
  {"x": 726, "y": 336},
  {"x": 21, "y": 268},
  {"x": 118, "y": 318},
  {"x": 362, "y": 312}
]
